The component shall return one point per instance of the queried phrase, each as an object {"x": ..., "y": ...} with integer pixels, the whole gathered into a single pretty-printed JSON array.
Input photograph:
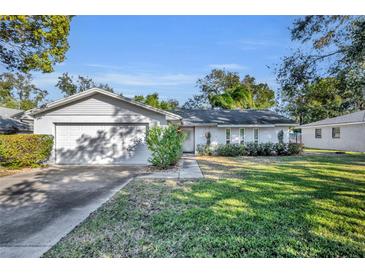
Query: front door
[{"x": 188, "y": 145}]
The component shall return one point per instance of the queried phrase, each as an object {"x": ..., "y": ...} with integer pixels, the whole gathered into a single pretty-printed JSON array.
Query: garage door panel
[{"x": 101, "y": 144}]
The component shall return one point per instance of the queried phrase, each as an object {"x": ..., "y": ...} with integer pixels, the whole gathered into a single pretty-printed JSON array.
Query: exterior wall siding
[
  {"x": 218, "y": 135},
  {"x": 352, "y": 138}
]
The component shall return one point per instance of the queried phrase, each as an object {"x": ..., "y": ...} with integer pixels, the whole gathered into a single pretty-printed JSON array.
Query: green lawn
[{"x": 305, "y": 206}]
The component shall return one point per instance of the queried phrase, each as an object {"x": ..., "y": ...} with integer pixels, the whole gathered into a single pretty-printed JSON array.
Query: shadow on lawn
[{"x": 282, "y": 210}]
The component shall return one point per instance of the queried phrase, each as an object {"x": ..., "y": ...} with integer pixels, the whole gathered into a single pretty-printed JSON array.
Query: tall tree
[
  {"x": 33, "y": 42},
  {"x": 197, "y": 102},
  {"x": 154, "y": 101},
  {"x": 331, "y": 47},
  {"x": 217, "y": 81},
  {"x": 69, "y": 86},
  {"x": 17, "y": 91},
  {"x": 222, "y": 89}
]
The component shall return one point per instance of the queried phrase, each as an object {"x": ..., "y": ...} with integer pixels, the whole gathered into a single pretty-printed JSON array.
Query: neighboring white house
[
  {"x": 100, "y": 127},
  {"x": 346, "y": 132}
]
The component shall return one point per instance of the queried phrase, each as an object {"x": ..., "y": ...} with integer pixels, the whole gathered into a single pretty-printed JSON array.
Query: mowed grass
[{"x": 305, "y": 206}]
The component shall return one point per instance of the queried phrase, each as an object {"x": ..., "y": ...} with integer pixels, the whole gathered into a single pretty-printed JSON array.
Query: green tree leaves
[
  {"x": 154, "y": 101},
  {"x": 69, "y": 86},
  {"x": 33, "y": 42},
  {"x": 17, "y": 91},
  {"x": 222, "y": 89},
  {"x": 325, "y": 77}
]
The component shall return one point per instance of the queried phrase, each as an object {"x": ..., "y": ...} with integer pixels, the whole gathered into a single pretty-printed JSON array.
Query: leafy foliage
[
  {"x": 222, "y": 89},
  {"x": 294, "y": 148},
  {"x": 69, "y": 86},
  {"x": 25, "y": 150},
  {"x": 197, "y": 102},
  {"x": 165, "y": 144},
  {"x": 230, "y": 150},
  {"x": 326, "y": 77},
  {"x": 205, "y": 150},
  {"x": 33, "y": 42},
  {"x": 250, "y": 149},
  {"x": 17, "y": 91},
  {"x": 154, "y": 101}
]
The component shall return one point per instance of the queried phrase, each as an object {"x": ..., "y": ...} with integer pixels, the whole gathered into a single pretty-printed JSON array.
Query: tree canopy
[
  {"x": 33, "y": 42},
  {"x": 69, "y": 86},
  {"x": 328, "y": 64},
  {"x": 154, "y": 101},
  {"x": 17, "y": 91},
  {"x": 223, "y": 89}
]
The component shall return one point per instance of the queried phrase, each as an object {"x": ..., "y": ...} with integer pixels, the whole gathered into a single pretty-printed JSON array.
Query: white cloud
[
  {"x": 252, "y": 44},
  {"x": 144, "y": 79},
  {"x": 227, "y": 66},
  {"x": 45, "y": 80},
  {"x": 103, "y": 66}
]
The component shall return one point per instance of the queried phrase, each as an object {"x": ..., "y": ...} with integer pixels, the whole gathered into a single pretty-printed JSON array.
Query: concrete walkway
[{"x": 187, "y": 169}]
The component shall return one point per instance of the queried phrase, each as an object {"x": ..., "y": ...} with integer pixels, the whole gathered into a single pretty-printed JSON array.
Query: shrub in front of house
[
  {"x": 205, "y": 150},
  {"x": 165, "y": 145},
  {"x": 252, "y": 149},
  {"x": 25, "y": 150},
  {"x": 230, "y": 150},
  {"x": 295, "y": 149},
  {"x": 281, "y": 149}
]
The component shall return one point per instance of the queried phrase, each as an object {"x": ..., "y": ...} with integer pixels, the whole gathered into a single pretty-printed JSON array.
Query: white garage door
[{"x": 101, "y": 144}]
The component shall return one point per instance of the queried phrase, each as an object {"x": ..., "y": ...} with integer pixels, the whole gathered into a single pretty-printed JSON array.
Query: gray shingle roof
[
  {"x": 232, "y": 117},
  {"x": 356, "y": 117},
  {"x": 9, "y": 125},
  {"x": 9, "y": 112}
]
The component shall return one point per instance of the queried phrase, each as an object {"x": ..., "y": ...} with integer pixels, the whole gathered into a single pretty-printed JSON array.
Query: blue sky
[{"x": 167, "y": 54}]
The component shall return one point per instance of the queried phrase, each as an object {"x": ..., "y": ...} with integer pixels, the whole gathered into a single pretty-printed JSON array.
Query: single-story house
[
  {"x": 101, "y": 127},
  {"x": 346, "y": 132},
  {"x": 15, "y": 121},
  {"x": 232, "y": 126}
]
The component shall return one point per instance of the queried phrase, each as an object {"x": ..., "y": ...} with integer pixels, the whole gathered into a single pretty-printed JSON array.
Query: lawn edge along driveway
[{"x": 38, "y": 209}]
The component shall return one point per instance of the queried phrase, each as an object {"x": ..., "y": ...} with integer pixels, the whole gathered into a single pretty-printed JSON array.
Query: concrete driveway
[{"x": 37, "y": 209}]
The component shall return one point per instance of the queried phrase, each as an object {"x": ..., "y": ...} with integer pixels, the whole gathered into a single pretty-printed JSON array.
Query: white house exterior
[
  {"x": 232, "y": 126},
  {"x": 100, "y": 127},
  {"x": 346, "y": 132}
]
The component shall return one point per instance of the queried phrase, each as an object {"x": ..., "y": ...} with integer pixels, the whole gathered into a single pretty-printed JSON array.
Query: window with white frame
[
  {"x": 256, "y": 135},
  {"x": 228, "y": 135},
  {"x": 242, "y": 136},
  {"x": 336, "y": 132},
  {"x": 318, "y": 133}
]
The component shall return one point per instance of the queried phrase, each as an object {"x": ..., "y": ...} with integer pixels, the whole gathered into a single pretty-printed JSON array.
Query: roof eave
[
  {"x": 87, "y": 93},
  {"x": 331, "y": 124}
]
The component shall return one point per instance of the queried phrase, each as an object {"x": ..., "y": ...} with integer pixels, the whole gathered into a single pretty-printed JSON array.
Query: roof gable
[
  {"x": 355, "y": 117},
  {"x": 94, "y": 91}
]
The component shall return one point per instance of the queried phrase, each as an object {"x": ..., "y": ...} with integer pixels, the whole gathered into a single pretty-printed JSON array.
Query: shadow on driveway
[{"x": 39, "y": 208}]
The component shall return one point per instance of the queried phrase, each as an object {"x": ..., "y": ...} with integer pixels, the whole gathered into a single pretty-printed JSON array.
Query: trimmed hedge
[
  {"x": 251, "y": 149},
  {"x": 230, "y": 150},
  {"x": 165, "y": 144},
  {"x": 25, "y": 150}
]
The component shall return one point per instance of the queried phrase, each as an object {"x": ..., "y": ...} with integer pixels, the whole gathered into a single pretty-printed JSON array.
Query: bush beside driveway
[{"x": 309, "y": 206}]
